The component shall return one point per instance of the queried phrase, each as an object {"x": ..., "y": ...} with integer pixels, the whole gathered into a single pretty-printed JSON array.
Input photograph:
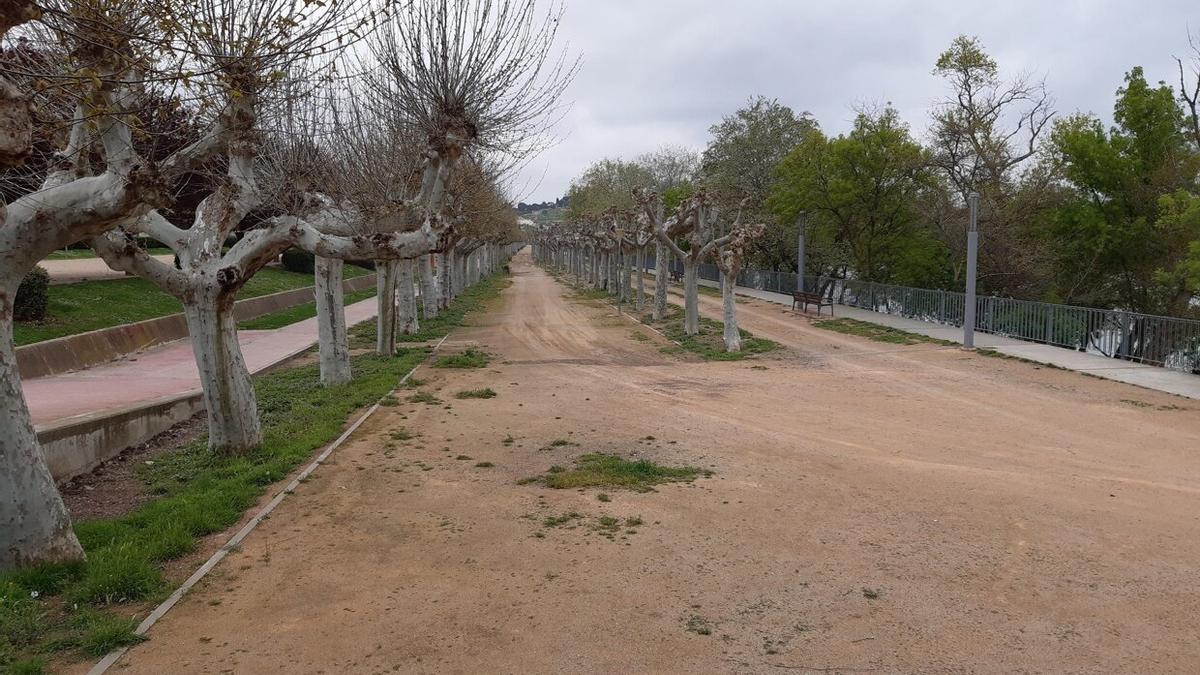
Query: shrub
[
  {"x": 32, "y": 296},
  {"x": 297, "y": 260}
]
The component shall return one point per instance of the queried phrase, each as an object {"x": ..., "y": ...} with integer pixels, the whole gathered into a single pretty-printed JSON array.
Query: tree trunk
[
  {"x": 34, "y": 524},
  {"x": 406, "y": 288},
  {"x": 691, "y": 297},
  {"x": 385, "y": 296},
  {"x": 660, "y": 281},
  {"x": 733, "y": 337},
  {"x": 627, "y": 275},
  {"x": 430, "y": 294},
  {"x": 445, "y": 260},
  {"x": 641, "y": 278},
  {"x": 233, "y": 424},
  {"x": 333, "y": 343}
]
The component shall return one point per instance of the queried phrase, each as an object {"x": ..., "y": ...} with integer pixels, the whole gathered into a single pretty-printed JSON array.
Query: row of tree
[
  {"x": 619, "y": 209},
  {"x": 351, "y": 129},
  {"x": 1071, "y": 211}
]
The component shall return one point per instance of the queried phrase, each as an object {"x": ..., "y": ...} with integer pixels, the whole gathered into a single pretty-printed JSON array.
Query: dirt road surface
[{"x": 873, "y": 508}]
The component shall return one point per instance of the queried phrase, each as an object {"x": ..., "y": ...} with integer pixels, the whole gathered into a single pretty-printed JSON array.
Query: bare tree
[{"x": 78, "y": 199}]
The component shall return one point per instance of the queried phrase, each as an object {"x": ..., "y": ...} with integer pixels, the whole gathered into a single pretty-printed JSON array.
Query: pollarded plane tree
[
  {"x": 99, "y": 54},
  {"x": 696, "y": 223},
  {"x": 482, "y": 74},
  {"x": 244, "y": 50},
  {"x": 729, "y": 258},
  {"x": 456, "y": 71},
  {"x": 640, "y": 235},
  {"x": 382, "y": 174}
]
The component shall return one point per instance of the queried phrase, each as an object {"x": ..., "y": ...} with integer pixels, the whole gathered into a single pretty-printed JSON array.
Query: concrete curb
[
  {"x": 159, "y": 612},
  {"x": 76, "y": 445}
]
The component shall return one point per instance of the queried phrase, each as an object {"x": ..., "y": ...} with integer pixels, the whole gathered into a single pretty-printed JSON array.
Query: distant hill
[{"x": 526, "y": 209}]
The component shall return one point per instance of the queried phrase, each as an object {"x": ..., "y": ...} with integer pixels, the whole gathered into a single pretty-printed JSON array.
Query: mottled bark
[
  {"x": 641, "y": 278},
  {"x": 732, "y": 336},
  {"x": 661, "y": 275},
  {"x": 34, "y": 524},
  {"x": 444, "y": 282},
  {"x": 234, "y": 427},
  {"x": 430, "y": 293},
  {"x": 691, "y": 299},
  {"x": 406, "y": 306},
  {"x": 332, "y": 340},
  {"x": 385, "y": 317},
  {"x": 627, "y": 274}
]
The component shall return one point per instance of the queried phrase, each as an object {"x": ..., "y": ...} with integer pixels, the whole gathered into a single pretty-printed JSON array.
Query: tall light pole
[
  {"x": 972, "y": 264},
  {"x": 801, "y": 226}
]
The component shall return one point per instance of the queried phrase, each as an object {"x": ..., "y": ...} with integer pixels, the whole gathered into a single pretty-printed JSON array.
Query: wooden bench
[{"x": 805, "y": 299}]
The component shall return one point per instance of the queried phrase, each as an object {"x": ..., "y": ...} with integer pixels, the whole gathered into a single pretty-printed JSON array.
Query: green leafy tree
[
  {"x": 740, "y": 162},
  {"x": 986, "y": 136},
  {"x": 608, "y": 183},
  {"x": 1129, "y": 236},
  {"x": 861, "y": 190}
]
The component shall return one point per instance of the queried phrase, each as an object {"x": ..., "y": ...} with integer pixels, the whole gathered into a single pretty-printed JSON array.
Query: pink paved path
[
  {"x": 86, "y": 269},
  {"x": 163, "y": 372}
]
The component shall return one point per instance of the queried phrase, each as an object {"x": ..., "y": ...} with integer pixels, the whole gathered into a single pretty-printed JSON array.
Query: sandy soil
[{"x": 874, "y": 507}]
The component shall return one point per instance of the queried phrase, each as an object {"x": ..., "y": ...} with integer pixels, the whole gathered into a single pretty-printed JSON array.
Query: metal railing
[{"x": 1164, "y": 341}]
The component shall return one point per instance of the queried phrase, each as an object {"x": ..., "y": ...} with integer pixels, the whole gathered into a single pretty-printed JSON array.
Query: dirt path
[{"x": 874, "y": 507}]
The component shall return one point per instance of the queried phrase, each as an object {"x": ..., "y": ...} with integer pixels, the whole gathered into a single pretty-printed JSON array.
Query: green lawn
[
  {"x": 92, "y": 305},
  {"x": 81, "y": 609},
  {"x": 876, "y": 332},
  {"x": 80, "y": 253},
  {"x": 287, "y": 317}
]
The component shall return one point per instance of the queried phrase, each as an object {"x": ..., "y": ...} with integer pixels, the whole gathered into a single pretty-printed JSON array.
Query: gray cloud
[{"x": 663, "y": 71}]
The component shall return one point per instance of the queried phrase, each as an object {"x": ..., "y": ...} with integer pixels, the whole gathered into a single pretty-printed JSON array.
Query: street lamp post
[
  {"x": 801, "y": 226},
  {"x": 972, "y": 265}
]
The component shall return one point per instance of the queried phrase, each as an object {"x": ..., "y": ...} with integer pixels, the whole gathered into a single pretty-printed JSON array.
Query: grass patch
[
  {"x": 484, "y": 465},
  {"x": 471, "y": 358},
  {"x": 75, "y": 608},
  {"x": 698, "y": 625},
  {"x": 613, "y": 471},
  {"x": 287, "y": 317},
  {"x": 424, "y": 397},
  {"x": 709, "y": 342},
  {"x": 555, "y": 521},
  {"x": 92, "y": 305},
  {"x": 476, "y": 393},
  {"x": 84, "y": 253},
  {"x": 876, "y": 332},
  {"x": 471, "y": 300}
]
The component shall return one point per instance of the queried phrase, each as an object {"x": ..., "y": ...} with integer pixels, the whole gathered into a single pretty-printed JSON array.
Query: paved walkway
[
  {"x": 86, "y": 269},
  {"x": 163, "y": 373},
  {"x": 1151, "y": 377}
]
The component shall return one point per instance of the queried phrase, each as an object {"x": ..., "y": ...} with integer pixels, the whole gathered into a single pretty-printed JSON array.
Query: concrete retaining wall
[
  {"x": 80, "y": 445},
  {"x": 76, "y": 352}
]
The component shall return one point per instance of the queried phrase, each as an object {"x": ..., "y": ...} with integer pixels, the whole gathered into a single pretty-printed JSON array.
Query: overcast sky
[{"x": 663, "y": 71}]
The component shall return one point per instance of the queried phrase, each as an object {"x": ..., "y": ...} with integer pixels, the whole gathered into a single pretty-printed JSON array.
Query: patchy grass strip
[
  {"x": 487, "y": 392},
  {"x": 287, "y": 317},
  {"x": 83, "y": 609},
  {"x": 613, "y": 471},
  {"x": 473, "y": 299},
  {"x": 471, "y": 358},
  {"x": 876, "y": 332}
]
